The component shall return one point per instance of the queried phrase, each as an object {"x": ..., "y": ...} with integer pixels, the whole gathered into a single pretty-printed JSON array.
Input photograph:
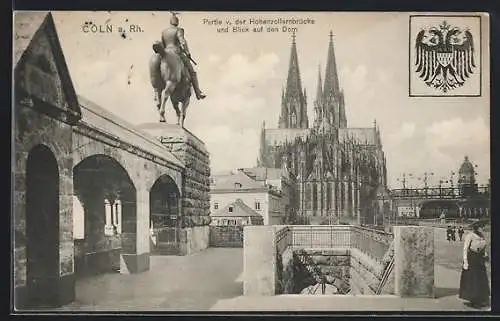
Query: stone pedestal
[
  {"x": 414, "y": 261},
  {"x": 195, "y": 198},
  {"x": 259, "y": 261}
]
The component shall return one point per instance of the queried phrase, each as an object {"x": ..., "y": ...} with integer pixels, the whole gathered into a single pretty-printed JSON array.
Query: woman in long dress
[{"x": 474, "y": 284}]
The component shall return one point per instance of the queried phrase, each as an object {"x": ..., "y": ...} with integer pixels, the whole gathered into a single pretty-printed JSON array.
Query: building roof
[
  {"x": 266, "y": 173},
  {"x": 26, "y": 24},
  {"x": 279, "y": 136},
  {"x": 240, "y": 209},
  {"x": 466, "y": 167},
  {"x": 27, "y": 27},
  {"x": 228, "y": 181},
  {"x": 97, "y": 117},
  {"x": 366, "y": 136}
]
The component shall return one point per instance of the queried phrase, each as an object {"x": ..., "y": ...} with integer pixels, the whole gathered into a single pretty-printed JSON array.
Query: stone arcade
[{"x": 72, "y": 154}]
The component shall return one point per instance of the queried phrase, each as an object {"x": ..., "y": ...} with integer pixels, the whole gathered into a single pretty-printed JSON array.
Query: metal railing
[
  {"x": 282, "y": 238},
  {"x": 322, "y": 236},
  {"x": 371, "y": 242}
]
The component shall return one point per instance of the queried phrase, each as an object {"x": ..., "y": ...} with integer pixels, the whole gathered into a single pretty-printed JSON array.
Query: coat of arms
[{"x": 444, "y": 56}]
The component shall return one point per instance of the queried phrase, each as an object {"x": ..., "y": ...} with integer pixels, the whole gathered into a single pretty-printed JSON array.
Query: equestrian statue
[{"x": 171, "y": 72}]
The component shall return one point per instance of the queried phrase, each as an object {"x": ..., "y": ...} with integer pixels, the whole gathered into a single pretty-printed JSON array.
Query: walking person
[
  {"x": 460, "y": 233},
  {"x": 448, "y": 233},
  {"x": 474, "y": 283},
  {"x": 454, "y": 233}
]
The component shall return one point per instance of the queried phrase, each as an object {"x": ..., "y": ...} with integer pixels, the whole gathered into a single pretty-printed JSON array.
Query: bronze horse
[{"x": 169, "y": 78}]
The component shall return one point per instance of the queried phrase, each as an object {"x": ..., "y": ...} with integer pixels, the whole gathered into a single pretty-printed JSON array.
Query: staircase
[
  {"x": 387, "y": 270},
  {"x": 312, "y": 268}
]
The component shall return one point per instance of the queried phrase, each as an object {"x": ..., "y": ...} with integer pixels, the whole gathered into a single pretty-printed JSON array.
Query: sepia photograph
[{"x": 250, "y": 161}]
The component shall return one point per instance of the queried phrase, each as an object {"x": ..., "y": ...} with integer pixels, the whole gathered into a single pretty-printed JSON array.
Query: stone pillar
[
  {"x": 302, "y": 210},
  {"x": 108, "y": 223},
  {"x": 358, "y": 204},
  {"x": 346, "y": 199},
  {"x": 353, "y": 199},
  {"x": 321, "y": 198},
  {"x": 195, "y": 198},
  {"x": 259, "y": 261},
  {"x": 332, "y": 210},
  {"x": 414, "y": 261},
  {"x": 118, "y": 211},
  {"x": 135, "y": 235},
  {"x": 66, "y": 282},
  {"x": 340, "y": 199}
]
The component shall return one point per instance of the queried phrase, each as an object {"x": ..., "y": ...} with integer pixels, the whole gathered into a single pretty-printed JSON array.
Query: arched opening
[
  {"x": 42, "y": 228},
  {"x": 434, "y": 209},
  {"x": 105, "y": 204},
  {"x": 164, "y": 199}
]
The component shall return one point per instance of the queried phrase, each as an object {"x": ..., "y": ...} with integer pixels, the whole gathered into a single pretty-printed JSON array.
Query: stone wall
[
  {"x": 32, "y": 129},
  {"x": 414, "y": 261},
  {"x": 92, "y": 261},
  {"x": 226, "y": 236},
  {"x": 271, "y": 267},
  {"x": 288, "y": 272},
  {"x": 195, "y": 198},
  {"x": 192, "y": 152},
  {"x": 193, "y": 239},
  {"x": 259, "y": 261},
  {"x": 366, "y": 273},
  {"x": 349, "y": 270},
  {"x": 334, "y": 264}
]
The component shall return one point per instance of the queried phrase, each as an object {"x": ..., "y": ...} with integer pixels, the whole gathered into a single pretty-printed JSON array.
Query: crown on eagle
[{"x": 444, "y": 25}]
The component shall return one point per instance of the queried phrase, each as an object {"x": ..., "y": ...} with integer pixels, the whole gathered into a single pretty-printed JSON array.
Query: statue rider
[{"x": 173, "y": 36}]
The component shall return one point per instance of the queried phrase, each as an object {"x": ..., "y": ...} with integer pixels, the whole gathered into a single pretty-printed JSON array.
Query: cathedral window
[{"x": 257, "y": 205}]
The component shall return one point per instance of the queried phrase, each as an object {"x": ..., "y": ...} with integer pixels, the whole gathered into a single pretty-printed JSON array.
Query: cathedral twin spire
[
  {"x": 294, "y": 99},
  {"x": 328, "y": 104},
  {"x": 331, "y": 87}
]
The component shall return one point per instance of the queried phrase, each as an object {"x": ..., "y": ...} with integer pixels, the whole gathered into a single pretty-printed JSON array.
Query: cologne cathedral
[{"x": 339, "y": 171}]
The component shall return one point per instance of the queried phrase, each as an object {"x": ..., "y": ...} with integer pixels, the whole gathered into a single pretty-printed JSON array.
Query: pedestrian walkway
[
  {"x": 212, "y": 280},
  {"x": 188, "y": 283},
  {"x": 447, "y": 282}
]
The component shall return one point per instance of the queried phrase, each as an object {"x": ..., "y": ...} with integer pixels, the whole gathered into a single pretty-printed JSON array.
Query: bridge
[
  {"x": 431, "y": 202},
  {"x": 87, "y": 183}
]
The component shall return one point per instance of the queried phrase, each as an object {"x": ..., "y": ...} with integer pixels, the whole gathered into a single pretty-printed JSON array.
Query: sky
[{"x": 243, "y": 73}]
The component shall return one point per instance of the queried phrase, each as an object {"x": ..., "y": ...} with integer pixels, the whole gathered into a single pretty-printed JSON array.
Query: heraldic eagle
[{"x": 444, "y": 56}]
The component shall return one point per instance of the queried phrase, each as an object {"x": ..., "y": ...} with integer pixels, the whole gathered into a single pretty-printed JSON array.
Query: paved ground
[
  {"x": 212, "y": 280},
  {"x": 447, "y": 282},
  {"x": 193, "y": 282},
  {"x": 449, "y": 254}
]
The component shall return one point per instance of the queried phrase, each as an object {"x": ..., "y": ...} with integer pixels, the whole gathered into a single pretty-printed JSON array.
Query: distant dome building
[
  {"x": 466, "y": 172},
  {"x": 466, "y": 178}
]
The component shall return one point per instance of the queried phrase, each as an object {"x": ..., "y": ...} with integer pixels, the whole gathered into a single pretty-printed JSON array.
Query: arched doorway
[
  {"x": 107, "y": 196},
  {"x": 434, "y": 209},
  {"x": 42, "y": 228},
  {"x": 164, "y": 198}
]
